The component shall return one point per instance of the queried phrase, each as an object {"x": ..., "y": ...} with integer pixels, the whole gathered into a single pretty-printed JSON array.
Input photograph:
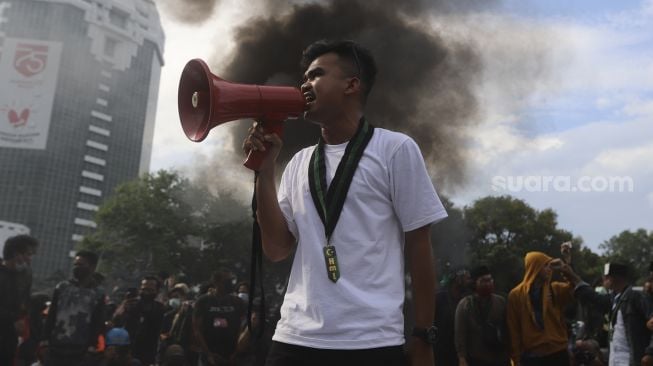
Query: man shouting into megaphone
[{"x": 351, "y": 205}]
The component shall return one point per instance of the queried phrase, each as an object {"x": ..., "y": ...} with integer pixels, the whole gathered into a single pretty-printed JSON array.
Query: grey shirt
[{"x": 471, "y": 315}]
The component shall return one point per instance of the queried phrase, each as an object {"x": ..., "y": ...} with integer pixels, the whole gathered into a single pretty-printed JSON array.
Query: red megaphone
[{"x": 206, "y": 101}]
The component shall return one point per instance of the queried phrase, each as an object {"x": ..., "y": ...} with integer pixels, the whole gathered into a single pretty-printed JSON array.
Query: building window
[
  {"x": 103, "y": 116},
  {"x": 84, "y": 222},
  {"x": 118, "y": 18},
  {"x": 87, "y": 206},
  {"x": 97, "y": 145},
  {"x": 90, "y": 191},
  {"x": 110, "y": 46},
  {"x": 94, "y": 160},
  {"x": 99, "y": 130},
  {"x": 91, "y": 175}
]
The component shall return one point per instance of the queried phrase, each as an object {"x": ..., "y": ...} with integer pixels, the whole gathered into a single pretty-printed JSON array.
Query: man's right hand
[
  {"x": 569, "y": 274},
  {"x": 256, "y": 140}
]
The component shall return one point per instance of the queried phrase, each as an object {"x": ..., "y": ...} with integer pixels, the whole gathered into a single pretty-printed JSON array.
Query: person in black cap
[
  {"x": 628, "y": 312},
  {"x": 480, "y": 324}
]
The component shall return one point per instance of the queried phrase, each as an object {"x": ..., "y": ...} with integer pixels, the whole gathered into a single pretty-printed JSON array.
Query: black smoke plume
[
  {"x": 425, "y": 83},
  {"x": 425, "y": 86},
  {"x": 189, "y": 11}
]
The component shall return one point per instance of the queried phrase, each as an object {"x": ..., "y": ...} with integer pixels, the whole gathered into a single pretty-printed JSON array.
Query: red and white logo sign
[
  {"x": 30, "y": 59},
  {"x": 17, "y": 119}
]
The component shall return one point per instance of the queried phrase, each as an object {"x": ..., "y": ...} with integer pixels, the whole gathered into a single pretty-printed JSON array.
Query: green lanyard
[{"x": 329, "y": 202}]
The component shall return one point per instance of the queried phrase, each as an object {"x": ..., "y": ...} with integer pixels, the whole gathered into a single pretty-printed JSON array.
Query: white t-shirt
[
  {"x": 391, "y": 193},
  {"x": 619, "y": 348}
]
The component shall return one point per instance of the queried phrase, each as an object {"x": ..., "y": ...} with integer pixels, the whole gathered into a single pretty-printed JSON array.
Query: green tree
[
  {"x": 163, "y": 221},
  {"x": 147, "y": 225},
  {"x": 503, "y": 229},
  {"x": 634, "y": 248}
]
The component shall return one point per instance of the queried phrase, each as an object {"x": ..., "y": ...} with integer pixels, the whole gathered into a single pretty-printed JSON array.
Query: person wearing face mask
[
  {"x": 480, "y": 324},
  {"x": 12, "y": 300},
  {"x": 142, "y": 316},
  {"x": 242, "y": 291},
  {"x": 76, "y": 315},
  {"x": 176, "y": 297}
]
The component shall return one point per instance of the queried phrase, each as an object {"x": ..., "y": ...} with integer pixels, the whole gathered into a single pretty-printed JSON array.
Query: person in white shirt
[
  {"x": 351, "y": 207},
  {"x": 627, "y": 310}
]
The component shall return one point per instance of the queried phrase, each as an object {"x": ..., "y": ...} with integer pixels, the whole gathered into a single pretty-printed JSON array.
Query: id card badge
[{"x": 331, "y": 261}]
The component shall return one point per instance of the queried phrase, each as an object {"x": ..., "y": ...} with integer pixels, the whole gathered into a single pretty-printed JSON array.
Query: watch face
[{"x": 432, "y": 334}]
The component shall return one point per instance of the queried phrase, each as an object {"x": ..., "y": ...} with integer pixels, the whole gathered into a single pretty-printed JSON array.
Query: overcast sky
[{"x": 566, "y": 96}]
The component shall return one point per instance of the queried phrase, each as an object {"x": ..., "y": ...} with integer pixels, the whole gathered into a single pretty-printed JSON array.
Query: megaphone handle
[{"x": 255, "y": 158}]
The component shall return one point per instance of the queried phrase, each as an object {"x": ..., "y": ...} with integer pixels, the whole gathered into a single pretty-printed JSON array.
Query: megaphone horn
[{"x": 206, "y": 101}]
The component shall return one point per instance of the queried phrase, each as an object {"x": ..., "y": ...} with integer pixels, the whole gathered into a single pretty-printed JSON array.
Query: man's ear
[{"x": 353, "y": 86}]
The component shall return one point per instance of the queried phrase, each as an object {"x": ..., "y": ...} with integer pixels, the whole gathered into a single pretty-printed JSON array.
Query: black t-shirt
[
  {"x": 221, "y": 318},
  {"x": 143, "y": 322}
]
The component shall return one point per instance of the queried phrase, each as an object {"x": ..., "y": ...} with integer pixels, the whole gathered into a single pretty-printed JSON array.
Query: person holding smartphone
[{"x": 536, "y": 322}]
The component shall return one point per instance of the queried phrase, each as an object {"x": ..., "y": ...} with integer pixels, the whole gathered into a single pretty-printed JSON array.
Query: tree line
[{"x": 165, "y": 222}]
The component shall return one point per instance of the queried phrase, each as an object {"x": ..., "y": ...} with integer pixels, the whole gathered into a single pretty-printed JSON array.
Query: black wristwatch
[{"x": 428, "y": 335}]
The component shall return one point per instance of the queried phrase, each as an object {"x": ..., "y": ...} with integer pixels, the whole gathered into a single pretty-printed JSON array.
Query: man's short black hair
[
  {"x": 89, "y": 256},
  {"x": 223, "y": 279},
  {"x": 30, "y": 241},
  {"x": 19, "y": 244},
  {"x": 480, "y": 271},
  {"x": 361, "y": 60}
]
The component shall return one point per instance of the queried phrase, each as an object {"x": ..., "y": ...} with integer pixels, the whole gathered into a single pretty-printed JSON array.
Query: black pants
[
  {"x": 8, "y": 343},
  {"x": 282, "y": 354},
  {"x": 555, "y": 359}
]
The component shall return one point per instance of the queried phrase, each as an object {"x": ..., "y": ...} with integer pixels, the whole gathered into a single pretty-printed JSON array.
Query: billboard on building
[{"x": 28, "y": 79}]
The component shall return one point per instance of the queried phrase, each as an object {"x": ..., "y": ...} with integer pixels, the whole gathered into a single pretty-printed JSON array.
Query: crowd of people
[
  {"x": 552, "y": 317},
  {"x": 162, "y": 322}
]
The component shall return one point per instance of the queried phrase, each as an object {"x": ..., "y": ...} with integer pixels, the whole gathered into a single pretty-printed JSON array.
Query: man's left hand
[{"x": 649, "y": 324}]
